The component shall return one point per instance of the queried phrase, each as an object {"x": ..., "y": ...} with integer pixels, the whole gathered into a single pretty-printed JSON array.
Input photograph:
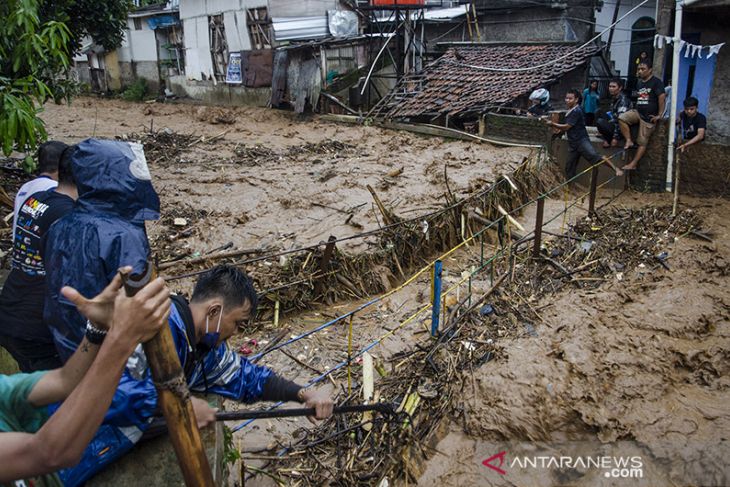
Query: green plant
[
  {"x": 33, "y": 61},
  {"x": 136, "y": 91},
  {"x": 231, "y": 454}
]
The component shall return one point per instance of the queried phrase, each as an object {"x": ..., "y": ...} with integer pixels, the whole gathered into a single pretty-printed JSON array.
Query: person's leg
[
  {"x": 645, "y": 131},
  {"x": 589, "y": 153},
  {"x": 31, "y": 355},
  {"x": 640, "y": 151},
  {"x": 571, "y": 163},
  {"x": 606, "y": 128},
  {"x": 625, "y": 120}
]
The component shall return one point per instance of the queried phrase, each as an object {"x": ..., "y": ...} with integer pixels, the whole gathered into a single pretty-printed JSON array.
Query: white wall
[
  {"x": 194, "y": 15},
  {"x": 301, "y": 8},
  {"x": 143, "y": 45},
  {"x": 621, "y": 43}
]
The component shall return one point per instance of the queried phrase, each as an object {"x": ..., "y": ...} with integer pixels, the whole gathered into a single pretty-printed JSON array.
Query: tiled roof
[{"x": 452, "y": 87}]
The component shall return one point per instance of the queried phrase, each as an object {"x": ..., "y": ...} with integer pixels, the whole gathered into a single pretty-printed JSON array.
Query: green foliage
[
  {"x": 136, "y": 91},
  {"x": 103, "y": 20},
  {"x": 33, "y": 54},
  {"x": 231, "y": 454},
  {"x": 37, "y": 39}
]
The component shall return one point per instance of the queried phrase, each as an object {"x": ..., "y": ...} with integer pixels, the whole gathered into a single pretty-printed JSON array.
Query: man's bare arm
[
  {"x": 62, "y": 440},
  {"x": 57, "y": 384},
  {"x": 694, "y": 140},
  {"x": 662, "y": 104}
]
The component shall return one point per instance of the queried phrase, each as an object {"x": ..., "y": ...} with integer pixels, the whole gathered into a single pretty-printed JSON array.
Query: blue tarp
[{"x": 162, "y": 21}]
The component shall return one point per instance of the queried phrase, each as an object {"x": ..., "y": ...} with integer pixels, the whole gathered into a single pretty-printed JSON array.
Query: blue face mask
[{"x": 210, "y": 340}]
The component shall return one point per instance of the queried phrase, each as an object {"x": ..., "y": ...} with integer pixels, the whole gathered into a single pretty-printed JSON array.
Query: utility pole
[{"x": 665, "y": 10}]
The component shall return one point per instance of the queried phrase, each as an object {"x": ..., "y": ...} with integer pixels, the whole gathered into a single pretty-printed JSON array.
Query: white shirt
[{"x": 41, "y": 183}]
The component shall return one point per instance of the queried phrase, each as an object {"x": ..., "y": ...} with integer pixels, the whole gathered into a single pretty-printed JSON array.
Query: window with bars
[
  {"x": 218, "y": 46},
  {"x": 259, "y": 27}
]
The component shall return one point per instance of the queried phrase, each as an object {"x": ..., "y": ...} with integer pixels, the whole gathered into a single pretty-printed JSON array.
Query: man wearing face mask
[{"x": 84, "y": 249}]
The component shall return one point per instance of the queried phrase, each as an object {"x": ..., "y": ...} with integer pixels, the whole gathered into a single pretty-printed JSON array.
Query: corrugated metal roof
[{"x": 295, "y": 28}]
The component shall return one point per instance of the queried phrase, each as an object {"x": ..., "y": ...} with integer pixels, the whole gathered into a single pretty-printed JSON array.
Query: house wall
[
  {"x": 219, "y": 93},
  {"x": 621, "y": 43},
  {"x": 301, "y": 8},
  {"x": 712, "y": 24},
  {"x": 194, "y": 15},
  {"x": 704, "y": 167}
]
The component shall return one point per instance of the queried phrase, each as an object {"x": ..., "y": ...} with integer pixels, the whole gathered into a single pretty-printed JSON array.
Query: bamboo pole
[{"x": 174, "y": 397}]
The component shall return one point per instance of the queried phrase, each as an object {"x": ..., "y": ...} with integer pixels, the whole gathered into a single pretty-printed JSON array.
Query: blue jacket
[
  {"x": 223, "y": 371},
  {"x": 105, "y": 230},
  {"x": 84, "y": 249}
]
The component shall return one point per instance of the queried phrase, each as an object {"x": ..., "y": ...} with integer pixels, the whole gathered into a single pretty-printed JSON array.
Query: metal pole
[
  {"x": 675, "y": 96},
  {"x": 594, "y": 186},
  {"x": 436, "y": 296},
  {"x": 538, "y": 227}
]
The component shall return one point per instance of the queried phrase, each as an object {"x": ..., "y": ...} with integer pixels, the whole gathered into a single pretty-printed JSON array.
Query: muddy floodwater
[{"x": 636, "y": 367}]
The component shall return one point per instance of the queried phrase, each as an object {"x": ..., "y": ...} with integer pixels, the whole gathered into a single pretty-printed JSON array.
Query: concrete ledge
[
  {"x": 153, "y": 463},
  {"x": 220, "y": 93}
]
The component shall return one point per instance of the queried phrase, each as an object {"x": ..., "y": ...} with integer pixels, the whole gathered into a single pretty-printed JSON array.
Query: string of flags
[{"x": 690, "y": 50}]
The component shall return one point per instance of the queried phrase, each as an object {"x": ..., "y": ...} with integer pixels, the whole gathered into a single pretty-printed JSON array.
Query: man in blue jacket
[{"x": 83, "y": 250}]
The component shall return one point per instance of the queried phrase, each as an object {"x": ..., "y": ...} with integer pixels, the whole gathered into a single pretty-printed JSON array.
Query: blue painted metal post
[{"x": 436, "y": 296}]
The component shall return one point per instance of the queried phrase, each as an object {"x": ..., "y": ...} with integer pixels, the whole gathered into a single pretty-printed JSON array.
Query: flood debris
[{"x": 434, "y": 378}]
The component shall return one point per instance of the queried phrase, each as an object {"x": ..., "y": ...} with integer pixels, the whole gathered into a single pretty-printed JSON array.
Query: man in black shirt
[
  {"x": 692, "y": 124},
  {"x": 649, "y": 110},
  {"x": 22, "y": 331},
  {"x": 608, "y": 125},
  {"x": 579, "y": 144}
]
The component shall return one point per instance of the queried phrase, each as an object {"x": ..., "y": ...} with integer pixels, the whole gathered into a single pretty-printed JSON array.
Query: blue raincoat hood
[{"x": 113, "y": 177}]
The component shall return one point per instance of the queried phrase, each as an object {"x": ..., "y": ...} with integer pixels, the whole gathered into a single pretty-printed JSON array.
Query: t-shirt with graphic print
[
  {"x": 22, "y": 297},
  {"x": 690, "y": 126},
  {"x": 647, "y": 103}
]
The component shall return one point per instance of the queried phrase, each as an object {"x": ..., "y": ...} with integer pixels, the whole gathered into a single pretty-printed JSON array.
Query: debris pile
[
  {"x": 432, "y": 380},
  {"x": 297, "y": 280},
  {"x": 164, "y": 146},
  {"x": 254, "y": 155},
  {"x": 328, "y": 146}
]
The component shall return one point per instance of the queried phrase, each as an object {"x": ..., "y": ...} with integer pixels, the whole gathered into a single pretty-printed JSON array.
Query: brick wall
[
  {"x": 705, "y": 170},
  {"x": 705, "y": 167},
  {"x": 515, "y": 129},
  {"x": 652, "y": 172}
]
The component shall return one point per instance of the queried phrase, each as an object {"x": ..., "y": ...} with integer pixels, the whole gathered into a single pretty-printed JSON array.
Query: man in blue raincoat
[{"x": 85, "y": 248}]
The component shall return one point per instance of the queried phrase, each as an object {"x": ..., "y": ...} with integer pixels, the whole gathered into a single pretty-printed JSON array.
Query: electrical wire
[{"x": 548, "y": 63}]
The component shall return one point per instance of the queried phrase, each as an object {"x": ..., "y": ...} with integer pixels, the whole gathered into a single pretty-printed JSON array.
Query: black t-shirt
[
  {"x": 690, "y": 126},
  {"x": 22, "y": 297},
  {"x": 647, "y": 103},
  {"x": 577, "y": 131}
]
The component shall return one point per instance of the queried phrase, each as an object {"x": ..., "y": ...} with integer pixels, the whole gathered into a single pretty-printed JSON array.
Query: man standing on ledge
[
  {"x": 649, "y": 110},
  {"x": 579, "y": 144}
]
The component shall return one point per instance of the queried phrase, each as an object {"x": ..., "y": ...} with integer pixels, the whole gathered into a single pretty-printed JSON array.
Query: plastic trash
[{"x": 486, "y": 310}]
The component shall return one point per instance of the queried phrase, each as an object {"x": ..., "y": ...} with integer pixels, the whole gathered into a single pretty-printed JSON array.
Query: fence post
[
  {"x": 436, "y": 296},
  {"x": 592, "y": 197},
  {"x": 538, "y": 227}
]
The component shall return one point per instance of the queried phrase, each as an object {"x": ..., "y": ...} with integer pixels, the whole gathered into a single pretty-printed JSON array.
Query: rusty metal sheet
[{"x": 257, "y": 67}]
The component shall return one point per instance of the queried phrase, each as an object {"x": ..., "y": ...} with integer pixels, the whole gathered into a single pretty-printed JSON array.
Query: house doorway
[{"x": 642, "y": 40}]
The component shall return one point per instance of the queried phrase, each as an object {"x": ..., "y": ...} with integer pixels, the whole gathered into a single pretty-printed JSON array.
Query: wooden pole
[
  {"x": 174, "y": 396},
  {"x": 538, "y": 227},
  {"x": 594, "y": 187}
]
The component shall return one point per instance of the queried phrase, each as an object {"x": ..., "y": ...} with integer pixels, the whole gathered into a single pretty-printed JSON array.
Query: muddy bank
[{"x": 643, "y": 361}]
